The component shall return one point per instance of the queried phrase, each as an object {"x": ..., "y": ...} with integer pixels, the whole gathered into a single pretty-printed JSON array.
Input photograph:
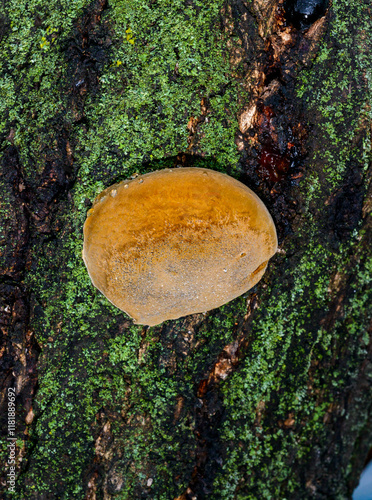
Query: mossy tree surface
[{"x": 268, "y": 396}]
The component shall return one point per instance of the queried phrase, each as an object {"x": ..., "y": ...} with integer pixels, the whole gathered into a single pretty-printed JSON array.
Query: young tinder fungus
[{"x": 177, "y": 242}]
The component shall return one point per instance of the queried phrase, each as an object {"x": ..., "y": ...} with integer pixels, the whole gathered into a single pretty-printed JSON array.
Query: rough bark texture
[{"x": 266, "y": 397}]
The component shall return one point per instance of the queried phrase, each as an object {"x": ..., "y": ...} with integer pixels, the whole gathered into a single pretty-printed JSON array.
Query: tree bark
[{"x": 266, "y": 397}]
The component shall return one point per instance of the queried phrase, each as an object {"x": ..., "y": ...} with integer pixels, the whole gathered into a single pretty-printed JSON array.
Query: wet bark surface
[{"x": 225, "y": 412}]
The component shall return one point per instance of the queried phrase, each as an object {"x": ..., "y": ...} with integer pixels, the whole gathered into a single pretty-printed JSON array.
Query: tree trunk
[{"x": 267, "y": 397}]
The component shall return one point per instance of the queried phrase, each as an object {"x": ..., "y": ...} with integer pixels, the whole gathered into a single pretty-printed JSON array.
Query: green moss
[
  {"x": 259, "y": 460},
  {"x": 155, "y": 71},
  {"x": 336, "y": 89},
  {"x": 283, "y": 321},
  {"x": 163, "y": 77},
  {"x": 32, "y": 66}
]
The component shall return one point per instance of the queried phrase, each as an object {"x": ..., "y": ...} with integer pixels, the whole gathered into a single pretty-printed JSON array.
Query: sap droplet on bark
[
  {"x": 303, "y": 13},
  {"x": 180, "y": 242}
]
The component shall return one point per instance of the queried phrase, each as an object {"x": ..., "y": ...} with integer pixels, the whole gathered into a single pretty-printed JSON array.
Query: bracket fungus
[{"x": 177, "y": 242}]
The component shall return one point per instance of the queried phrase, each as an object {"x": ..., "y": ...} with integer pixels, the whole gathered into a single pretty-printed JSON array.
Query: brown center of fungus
[{"x": 177, "y": 242}]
